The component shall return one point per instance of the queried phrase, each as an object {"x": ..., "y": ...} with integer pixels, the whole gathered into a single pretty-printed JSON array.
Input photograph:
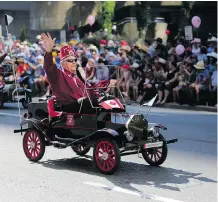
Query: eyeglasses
[{"x": 72, "y": 60}]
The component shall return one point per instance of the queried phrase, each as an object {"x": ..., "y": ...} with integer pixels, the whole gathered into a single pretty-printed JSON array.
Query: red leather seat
[{"x": 51, "y": 111}]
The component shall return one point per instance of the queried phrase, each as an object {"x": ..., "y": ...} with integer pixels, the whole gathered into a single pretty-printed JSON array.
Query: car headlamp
[
  {"x": 129, "y": 135},
  {"x": 155, "y": 131}
]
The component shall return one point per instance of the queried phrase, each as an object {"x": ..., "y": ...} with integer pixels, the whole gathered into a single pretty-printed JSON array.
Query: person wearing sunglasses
[{"x": 66, "y": 84}]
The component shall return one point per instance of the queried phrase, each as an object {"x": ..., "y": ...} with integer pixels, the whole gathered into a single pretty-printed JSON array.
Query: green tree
[
  {"x": 185, "y": 13},
  {"x": 23, "y": 34},
  {"x": 106, "y": 14},
  {"x": 143, "y": 16}
]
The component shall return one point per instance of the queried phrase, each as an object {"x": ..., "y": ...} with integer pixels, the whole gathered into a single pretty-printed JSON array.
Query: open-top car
[{"x": 109, "y": 130}]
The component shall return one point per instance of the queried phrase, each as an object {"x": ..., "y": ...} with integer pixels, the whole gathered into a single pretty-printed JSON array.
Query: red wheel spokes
[
  {"x": 155, "y": 155},
  {"x": 32, "y": 139},
  {"x": 105, "y": 148}
]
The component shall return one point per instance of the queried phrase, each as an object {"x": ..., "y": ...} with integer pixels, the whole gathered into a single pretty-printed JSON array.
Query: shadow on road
[{"x": 133, "y": 173}]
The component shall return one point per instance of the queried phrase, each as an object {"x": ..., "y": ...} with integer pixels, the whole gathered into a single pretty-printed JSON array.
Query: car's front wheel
[
  {"x": 157, "y": 155},
  {"x": 106, "y": 156}
]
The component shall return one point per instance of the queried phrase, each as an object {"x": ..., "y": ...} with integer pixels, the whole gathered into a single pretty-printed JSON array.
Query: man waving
[{"x": 66, "y": 86}]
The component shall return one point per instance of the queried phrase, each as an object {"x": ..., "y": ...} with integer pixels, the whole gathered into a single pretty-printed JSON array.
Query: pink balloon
[
  {"x": 180, "y": 49},
  {"x": 196, "y": 21},
  {"x": 91, "y": 20}
]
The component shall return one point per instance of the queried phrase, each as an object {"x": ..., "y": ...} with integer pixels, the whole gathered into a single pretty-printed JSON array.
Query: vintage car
[{"x": 109, "y": 130}]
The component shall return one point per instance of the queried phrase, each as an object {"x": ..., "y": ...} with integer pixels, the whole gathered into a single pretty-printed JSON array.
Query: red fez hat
[
  {"x": 104, "y": 42},
  {"x": 67, "y": 51}
]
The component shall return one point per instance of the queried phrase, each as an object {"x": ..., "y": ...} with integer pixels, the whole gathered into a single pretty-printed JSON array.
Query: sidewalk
[{"x": 181, "y": 107}]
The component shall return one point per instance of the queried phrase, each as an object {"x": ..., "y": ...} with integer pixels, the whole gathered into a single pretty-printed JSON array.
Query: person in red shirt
[{"x": 66, "y": 85}]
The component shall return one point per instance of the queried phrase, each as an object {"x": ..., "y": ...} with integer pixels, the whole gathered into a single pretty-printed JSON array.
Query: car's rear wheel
[
  {"x": 33, "y": 145},
  {"x": 106, "y": 156},
  {"x": 81, "y": 150},
  {"x": 156, "y": 156}
]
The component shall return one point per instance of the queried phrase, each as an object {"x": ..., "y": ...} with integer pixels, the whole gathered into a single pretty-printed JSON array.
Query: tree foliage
[
  {"x": 106, "y": 14},
  {"x": 142, "y": 15},
  {"x": 185, "y": 15},
  {"x": 23, "y": 34}
]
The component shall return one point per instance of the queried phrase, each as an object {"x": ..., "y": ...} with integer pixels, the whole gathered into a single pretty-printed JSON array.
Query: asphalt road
[{"x": 189, "y": 173}]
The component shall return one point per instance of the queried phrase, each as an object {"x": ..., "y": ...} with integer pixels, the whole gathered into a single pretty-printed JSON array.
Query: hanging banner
[{"x": 188, "y": 33}]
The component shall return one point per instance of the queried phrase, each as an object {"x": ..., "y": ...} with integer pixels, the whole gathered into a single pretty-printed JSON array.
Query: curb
[
  {"x": 181, "y": 107},
  {"x": 187, "y": 107}
]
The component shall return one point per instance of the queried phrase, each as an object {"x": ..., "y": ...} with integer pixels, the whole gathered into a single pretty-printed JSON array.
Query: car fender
[
  {"x": 156, "y": 125},
  {"x": 105, "y": 132},
  {"x": 37, "y": 124}
]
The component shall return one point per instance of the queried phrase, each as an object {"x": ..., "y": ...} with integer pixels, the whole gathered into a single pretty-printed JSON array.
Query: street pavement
[{"x": 189, "y": 173}]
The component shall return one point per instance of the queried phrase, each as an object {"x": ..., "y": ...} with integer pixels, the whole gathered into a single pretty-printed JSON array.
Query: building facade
[{"x": 54, "y": 16}]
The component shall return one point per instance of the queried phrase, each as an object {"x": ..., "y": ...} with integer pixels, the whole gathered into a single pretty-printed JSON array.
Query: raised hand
[{"x": 48, "y": 42}]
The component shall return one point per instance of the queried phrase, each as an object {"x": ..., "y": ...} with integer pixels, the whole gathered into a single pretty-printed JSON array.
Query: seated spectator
[
  {"x": 169, "y": 81},
  {"x": 212, "y": 42},
  {"x": 93, "y": 53},
  {"x": 37, "y": 79},
  {"x": 213, "y": 85},
  {"x": 151, "y": 50},
  {"x": 187, "y": 53},
  {"x": 181, "y": 77},
  {"x": 196, "y": 46},
  {"x": 212, "y": 62},
  {"x": 203, "y": 54},
  {"x": 148, "y": 85},
  {"x": 173, "y": 58},
  {"x": 124, "y": 57},
  {"x": 103, "y": 43},
  {"x": 90, "y": 69},
  {"x": 160, "y": 49},
  {"x": 101, "y": 72},
  {"x": 134, "y": 81},
  {"x": 202, "y": 79},
  {"x": 124, "y": 77}
]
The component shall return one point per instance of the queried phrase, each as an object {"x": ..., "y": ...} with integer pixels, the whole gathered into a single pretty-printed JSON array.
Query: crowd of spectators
[{"x": 140, "y": 70}]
